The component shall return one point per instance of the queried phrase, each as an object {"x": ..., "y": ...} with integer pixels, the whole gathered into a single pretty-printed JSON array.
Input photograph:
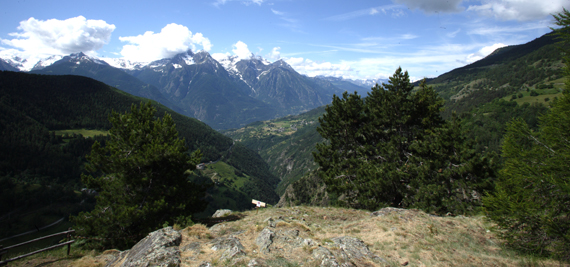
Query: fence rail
[{"x": 68, "y": 243}]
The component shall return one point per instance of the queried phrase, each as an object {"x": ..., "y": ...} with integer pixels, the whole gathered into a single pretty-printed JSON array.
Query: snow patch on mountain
[
  {"x": 125, "y": 64},
  {"x": 228, "y": 62},
  {"x": 188, "y": 59},
  {"x": 46, "y": 62}
]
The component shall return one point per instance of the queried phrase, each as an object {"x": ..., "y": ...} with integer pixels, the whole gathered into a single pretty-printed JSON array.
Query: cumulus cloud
[
  {"x": 60, "y": 37},
  {"x": 241, "y": 51},
  {"x": 483, "y": 52},
  {"x": 275, "y": 53},
  {"x": 519, "y": 10},
  {"x": 171, "y": 40},
  {"x": 312, "y": 68},
  {"x": 431, "y": 6}
]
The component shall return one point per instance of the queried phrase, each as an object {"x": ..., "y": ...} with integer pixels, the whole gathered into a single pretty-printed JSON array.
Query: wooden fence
[{"x": 68, "y": 243}]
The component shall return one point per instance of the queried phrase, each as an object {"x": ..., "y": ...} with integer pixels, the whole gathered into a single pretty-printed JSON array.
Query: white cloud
[
  {"x": 453, "y": 34},
  {"x": 240, "y": 49},
  {"x": 275, "y": 53},
  {"x": 483, "y": 52},
  {"x": 495, "y": 30},
  {"x": 60, "y": 37},
  {"x": 519, "y": 10},
  {"x": 217, "y": 3},
  {"x": 278, "y": 13},
  {"x": 367, "y": 12},
  {"x": 311, "y": 68},
  {"x": 431, "y": 6},
  {"x": 171, "y": 40}
]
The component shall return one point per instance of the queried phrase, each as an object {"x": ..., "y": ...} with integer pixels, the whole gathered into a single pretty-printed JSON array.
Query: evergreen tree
[
  {"x": 531, "y": 204},
  {"x": 393, "y": 148},
  {"x": 140, "y": 177}
]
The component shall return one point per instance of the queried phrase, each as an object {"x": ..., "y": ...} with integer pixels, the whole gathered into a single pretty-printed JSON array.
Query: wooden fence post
[{"x": 68, "y": 239}]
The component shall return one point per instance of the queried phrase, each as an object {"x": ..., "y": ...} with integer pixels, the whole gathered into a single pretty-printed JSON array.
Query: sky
[{"x": 352, "y": 39}]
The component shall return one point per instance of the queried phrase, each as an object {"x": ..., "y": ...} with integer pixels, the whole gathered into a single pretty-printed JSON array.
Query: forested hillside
[
  {"x": 516, "y": 81},
  {"x": 286, "y": 144},
  {"x": 41, "y": 163}
]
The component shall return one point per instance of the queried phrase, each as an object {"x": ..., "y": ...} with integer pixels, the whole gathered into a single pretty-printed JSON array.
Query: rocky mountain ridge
[{"x": 224, "y": 92}]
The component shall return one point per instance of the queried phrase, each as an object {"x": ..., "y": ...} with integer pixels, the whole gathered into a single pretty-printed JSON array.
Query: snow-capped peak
[
  {"x": 46, "y": 62},
  {"x": 228, "y": 62},
  {"x": 122, "y": 63},
  {"x": 81, "y": 57}
]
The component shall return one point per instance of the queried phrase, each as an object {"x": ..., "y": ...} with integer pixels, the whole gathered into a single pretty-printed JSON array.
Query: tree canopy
[
  {"x": 394, "y": 149},
  {"x": 140, "y": 175},
  {"x": 531, "y": 203}
]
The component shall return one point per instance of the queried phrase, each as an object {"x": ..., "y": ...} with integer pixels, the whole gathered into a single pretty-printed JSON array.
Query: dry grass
[{"x": 409, "y": 237}]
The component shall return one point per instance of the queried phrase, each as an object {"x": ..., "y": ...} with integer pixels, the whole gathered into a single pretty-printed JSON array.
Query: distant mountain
[
  {"x": 349, "y": 85},
  {"x": 281, "y": 86},
  {"x": 225, "y": 93},
  {"x": 4, "y": 65},
  {"x": 83, "y": 65},
  {"x": 203, "y": 88}
]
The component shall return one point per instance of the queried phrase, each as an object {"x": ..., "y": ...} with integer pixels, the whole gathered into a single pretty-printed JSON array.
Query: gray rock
[
  {"x": 159, "y": 248},
  {"x": 309, "y": 242},
  {"x": 230, "y": 247},
  {"x": 219, "y": 228},
  {"x": 194, "y": 247},
  {"x": 205, "y": 264},
  {"x": 221, "y": 213},
  {"x": 264, "y": 240},
  {"x": 354, "y": 248},
  {"x": 325, "y": 257},
  {"x": 387, "y": 210},
  {"x": 271, "y": 222}
]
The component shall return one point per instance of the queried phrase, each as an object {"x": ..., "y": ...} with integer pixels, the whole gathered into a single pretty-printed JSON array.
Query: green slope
[
  {"x": 42, "y": 119},
  {"x": 286, "y": 144},
  {"x": 507, "y": 71}
]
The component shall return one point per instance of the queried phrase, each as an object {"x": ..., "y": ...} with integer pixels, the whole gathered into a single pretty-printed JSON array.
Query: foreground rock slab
[{"x": 159, "y": 248}]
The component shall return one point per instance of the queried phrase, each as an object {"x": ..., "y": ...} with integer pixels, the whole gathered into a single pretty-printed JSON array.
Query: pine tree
[
  {"x": 531, "y": 204},
  {"x": 393, "y": 148},
  {"x": 140, "y": 177}
]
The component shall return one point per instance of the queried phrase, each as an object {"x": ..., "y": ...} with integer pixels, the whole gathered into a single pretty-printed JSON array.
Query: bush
[{"x": 533, "y": 93}]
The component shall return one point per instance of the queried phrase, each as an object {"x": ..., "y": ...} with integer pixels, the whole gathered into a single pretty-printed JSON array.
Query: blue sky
[{"x": 357, "y": 39}]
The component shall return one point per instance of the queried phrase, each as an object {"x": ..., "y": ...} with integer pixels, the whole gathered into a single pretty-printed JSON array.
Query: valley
[{"x": 254, "y": 121}]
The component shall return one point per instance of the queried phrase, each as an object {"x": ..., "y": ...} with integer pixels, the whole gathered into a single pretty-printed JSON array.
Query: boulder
[
  {"x": 325, "y": 257},
  {"x": 352, "y": 248},
  {"x": 230, "y": 247},
  {"x": 221, "y": 213},
  {"x": 386, "y": 211},
  {"x": 264, "y": 240},
  {"x": 159, "y": 248}
]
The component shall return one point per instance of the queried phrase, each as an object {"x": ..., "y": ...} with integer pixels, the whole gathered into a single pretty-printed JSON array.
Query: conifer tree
[
  {"x": 531, "y": 203},
  {"x": 394, "y": 149},
  {"x": 140, "y": 179}
]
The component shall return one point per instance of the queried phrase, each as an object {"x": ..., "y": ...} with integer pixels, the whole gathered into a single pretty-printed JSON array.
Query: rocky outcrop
[
  {"x": 230, "y": 247},
  {"x": 264, "y": 240},
  {"x": 353, "y": 249},
  {"x": 325, "y": 257},
  {"x": 221, "y": 213},
  {"x": 159, "y": 248}
]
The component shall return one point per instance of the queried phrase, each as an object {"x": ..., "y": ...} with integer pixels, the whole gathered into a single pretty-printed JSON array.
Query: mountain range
[{"x": 224, "y": 92}]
